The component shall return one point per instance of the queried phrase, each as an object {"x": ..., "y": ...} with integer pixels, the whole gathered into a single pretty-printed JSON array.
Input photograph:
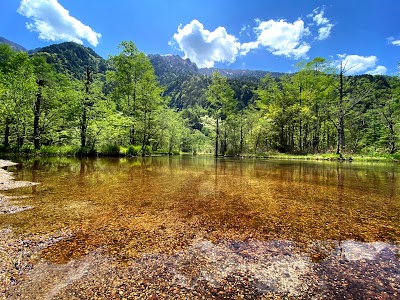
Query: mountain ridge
[
  {"x": 72, "y": 57},
  {"x": 80, "y": 56},
  {"x": 13, "y": 45}
]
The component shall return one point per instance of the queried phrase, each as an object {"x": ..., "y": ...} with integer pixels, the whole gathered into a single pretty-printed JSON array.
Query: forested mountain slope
[{"x": 73, "y": 58}]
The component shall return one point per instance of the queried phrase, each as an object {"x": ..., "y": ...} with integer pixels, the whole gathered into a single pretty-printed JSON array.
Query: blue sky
[{"x": 253, "y": 34}]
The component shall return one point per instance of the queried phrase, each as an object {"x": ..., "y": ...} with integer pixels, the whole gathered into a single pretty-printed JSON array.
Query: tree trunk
[
  {"x": 6, "y": 143},
  {"x": 217, "y": 138},
  {"x": 36, "y": 129},
  {"x": 241, "y": 138},
  {"x": 132, "y": 135},
  {"x": 282, "y": 139},
  {"x": 144, "y": 140},
  {"x": 340, "y": 125},
  {"x": 392, "y": 139},
  {"x": 225, "y": 143},
  {"x": 83, "y": 127},
  {"x": 84, "y": 120}
]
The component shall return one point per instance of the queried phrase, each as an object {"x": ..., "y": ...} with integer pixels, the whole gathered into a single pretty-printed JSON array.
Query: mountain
[
  {"x": 186, "y": 85},
  {"x": 166, "y": 66},
  {"x": 72, "y": 57},
  {"x": 172, "y": 64},
  {"x": 250, "y": 75},
  {"x": 13, "y": 45}
]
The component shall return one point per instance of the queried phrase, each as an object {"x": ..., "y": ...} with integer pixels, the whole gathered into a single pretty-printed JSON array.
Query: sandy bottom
[{"x": 201, "y": 269}]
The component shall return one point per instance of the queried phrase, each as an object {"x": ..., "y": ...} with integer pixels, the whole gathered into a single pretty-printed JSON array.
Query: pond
[{"x": 188, "y": 227}]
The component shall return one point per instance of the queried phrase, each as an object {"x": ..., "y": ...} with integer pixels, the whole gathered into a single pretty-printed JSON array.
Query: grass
[{"x": 384, "y": 157}]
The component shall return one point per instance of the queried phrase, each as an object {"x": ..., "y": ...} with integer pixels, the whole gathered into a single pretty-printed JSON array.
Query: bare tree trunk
[
  {"x": 217, "y": 138},
  {"x": 340, "y": 127},
  {"x": 38, "y": 102},
  {"x": 392, "y": 139},
  {"x": 84, "y": 110},
  {"x": 241, "y": 138},
  {"x": 144, "y": 140}
]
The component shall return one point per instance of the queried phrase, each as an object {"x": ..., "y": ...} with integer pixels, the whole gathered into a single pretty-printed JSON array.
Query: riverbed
[{"x": 194, "y": 227}]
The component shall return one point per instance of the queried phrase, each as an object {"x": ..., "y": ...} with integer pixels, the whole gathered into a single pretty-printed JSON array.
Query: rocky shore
[{"x": 7, "y": 182}]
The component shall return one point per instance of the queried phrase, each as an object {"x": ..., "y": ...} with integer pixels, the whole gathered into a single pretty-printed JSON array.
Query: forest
[{"x": 121, "y": 107}]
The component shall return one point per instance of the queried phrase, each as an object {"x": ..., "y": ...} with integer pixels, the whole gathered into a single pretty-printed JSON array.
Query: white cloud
[
  {"x": 54, "y": 23},
  {"x": 325, "y": 26},
  {"x": 247, "y": 47},
  {"x": 379, "y": 70},
  {"x": 245, "y": 30},
  {"x": 319, "y": 18},
  {"x": 324, "y": 32},
  {"x": 281, "y": 38},
  {"x": 205, "y": 47},
  {"x": 356, "y": 64},
  {"x": 393, "y": 41}
]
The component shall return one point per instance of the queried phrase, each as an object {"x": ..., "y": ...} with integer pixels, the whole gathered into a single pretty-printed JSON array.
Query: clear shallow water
[
  {"x": 295, "y": 220},
  {"x": 293, "y": 200}
]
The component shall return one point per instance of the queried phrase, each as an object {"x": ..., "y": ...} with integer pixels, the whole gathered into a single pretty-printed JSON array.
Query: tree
[
  {"x": 349, "y": 95},
  {"x": 388, "y": 106},
  {"x": 45, "y": 75},
  {"x": 221, "y": 98},
  {"x": 131, "y": 70},
  {"x": 17, "y": 97},
  {"x": 314, "y": 86},
  {"x": 87, "y": 103}
]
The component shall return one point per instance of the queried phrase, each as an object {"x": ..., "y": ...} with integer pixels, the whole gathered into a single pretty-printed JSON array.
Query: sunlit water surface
[{"x": 131, "y": 207}]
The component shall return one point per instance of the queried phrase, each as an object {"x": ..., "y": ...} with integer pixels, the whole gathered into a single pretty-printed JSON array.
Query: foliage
[
  {"x": 73, "y": 58},
  {"x": 111, "y": 150},
  {"x": 133, "y": 150},
  {"x": 145, "y": 105}
]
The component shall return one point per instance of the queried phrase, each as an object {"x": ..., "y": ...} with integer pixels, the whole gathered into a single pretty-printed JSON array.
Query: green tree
[
  {"x": 19, "y": 88},
  {"x": 388, "y": 106},
  {"x": 45, "y": 75},
  {"x": 350, "y": 93},
  {"x": 221, "y": 98},
  {"x": 132, "y": 69}
]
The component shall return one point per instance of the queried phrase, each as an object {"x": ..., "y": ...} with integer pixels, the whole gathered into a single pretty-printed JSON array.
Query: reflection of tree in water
[
  {"x": 35, "y": 169},
  {"x": 392, "y": 185}
]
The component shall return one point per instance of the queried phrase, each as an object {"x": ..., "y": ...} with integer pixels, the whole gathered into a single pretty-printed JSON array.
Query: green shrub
[
  {"x": 86, "y": 151},
  {"x": 396, "y": 156},
  {"x": 110, "y": 150},
  {"x": 27, "y": 149},
  {"x": 59, "y": 150},
  {"x": 133, "y": 150},
  {"x": 49, "y": 150},
  {"x": 161, "y": 151},
  {"x": 147, "y": 150},
  {"x": 69, "y": 150}
]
